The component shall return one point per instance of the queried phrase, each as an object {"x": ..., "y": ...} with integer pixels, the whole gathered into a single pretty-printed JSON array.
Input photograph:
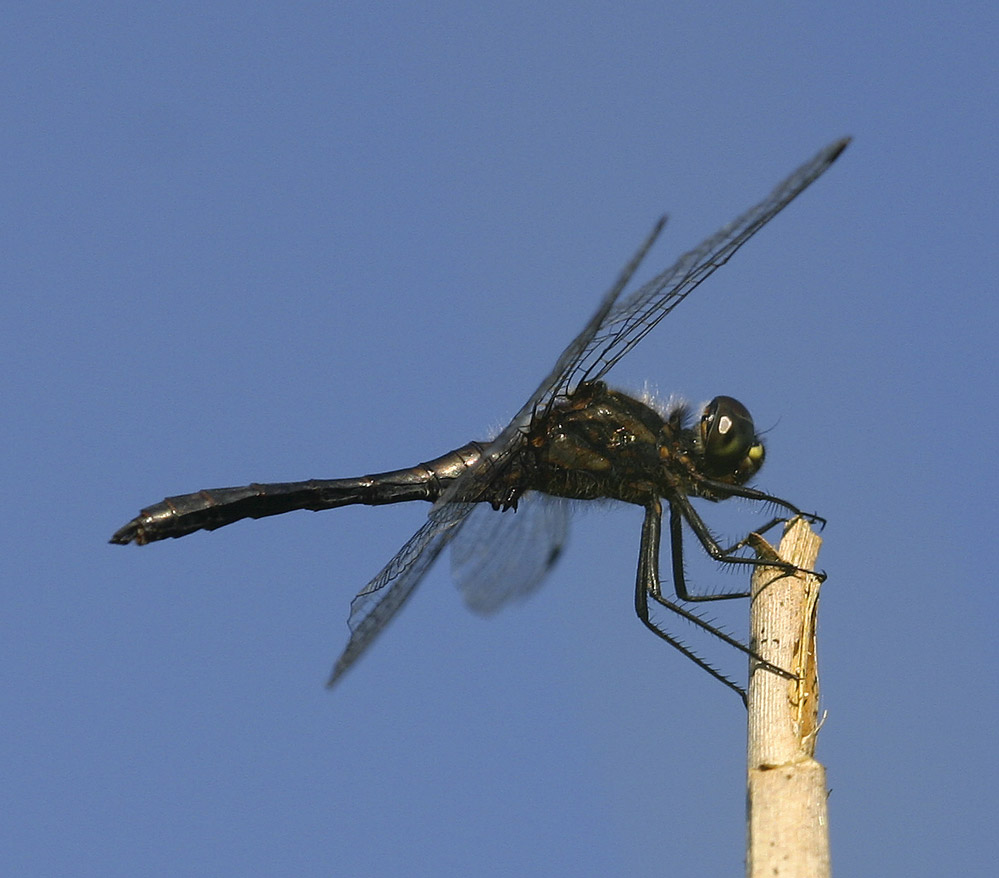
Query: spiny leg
[
  {"x": 648, "y": 584},
  {"x": 679, "y": 575},
  {"x": 681, "y": 509},
  {"x": 648, "y": 566},
  {"x": 724, "y": 489}
]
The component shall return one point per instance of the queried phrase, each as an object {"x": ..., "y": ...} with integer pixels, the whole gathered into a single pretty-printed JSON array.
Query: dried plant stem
[{"x": 787, "y": 817}]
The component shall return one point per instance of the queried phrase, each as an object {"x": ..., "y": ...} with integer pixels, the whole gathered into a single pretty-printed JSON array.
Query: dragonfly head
[{"x": 732, "y": 451}]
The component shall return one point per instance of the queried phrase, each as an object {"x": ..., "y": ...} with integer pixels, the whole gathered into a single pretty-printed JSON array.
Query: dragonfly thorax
[{"x": 602, "y": 443}]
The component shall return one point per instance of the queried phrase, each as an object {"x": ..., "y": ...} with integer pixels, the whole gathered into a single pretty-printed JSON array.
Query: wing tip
[{"x": 836, "y": 148}]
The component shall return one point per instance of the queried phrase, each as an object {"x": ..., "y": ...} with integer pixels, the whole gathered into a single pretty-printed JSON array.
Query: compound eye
[{"x": 728, "y": 434}]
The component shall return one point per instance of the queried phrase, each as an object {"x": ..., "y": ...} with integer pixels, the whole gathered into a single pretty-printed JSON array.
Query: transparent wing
[
  {"x": 504, "y": 555},
  {"x": 381, "y": 599},
  {"x": 630, "y": 320}
]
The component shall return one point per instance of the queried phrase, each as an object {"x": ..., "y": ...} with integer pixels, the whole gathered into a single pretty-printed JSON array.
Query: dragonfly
[{"x": 574, "y": 439}]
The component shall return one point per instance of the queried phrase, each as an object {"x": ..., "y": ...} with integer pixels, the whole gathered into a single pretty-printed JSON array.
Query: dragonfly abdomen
[{"x": 217, "y": 507}]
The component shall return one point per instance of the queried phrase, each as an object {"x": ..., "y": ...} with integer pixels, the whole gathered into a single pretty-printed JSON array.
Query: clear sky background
[{"x": 269, "y": 241}]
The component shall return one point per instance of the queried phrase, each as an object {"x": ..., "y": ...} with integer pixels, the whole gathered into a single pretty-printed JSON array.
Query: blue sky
[{"x": 277, "y": 241}]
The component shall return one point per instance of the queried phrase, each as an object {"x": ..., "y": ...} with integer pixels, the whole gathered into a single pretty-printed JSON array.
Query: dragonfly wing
[
  {"x": 504, "y": 555},
  {"x": 378, "y": 602},
  {"x": 631, "y": 319},
  {"x": 499, "y": 452}
]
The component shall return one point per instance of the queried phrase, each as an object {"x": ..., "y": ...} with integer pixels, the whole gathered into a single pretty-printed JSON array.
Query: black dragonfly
[{"x": 573, "y": 439}]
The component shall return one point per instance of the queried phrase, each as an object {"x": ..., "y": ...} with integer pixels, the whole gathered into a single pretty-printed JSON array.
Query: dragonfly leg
[
  {"x": 679, "y": 576},
  {"x": 727, "y": 490},
  {"x": 648, "y": 584},
  {"x": 682, "y": 510}
]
